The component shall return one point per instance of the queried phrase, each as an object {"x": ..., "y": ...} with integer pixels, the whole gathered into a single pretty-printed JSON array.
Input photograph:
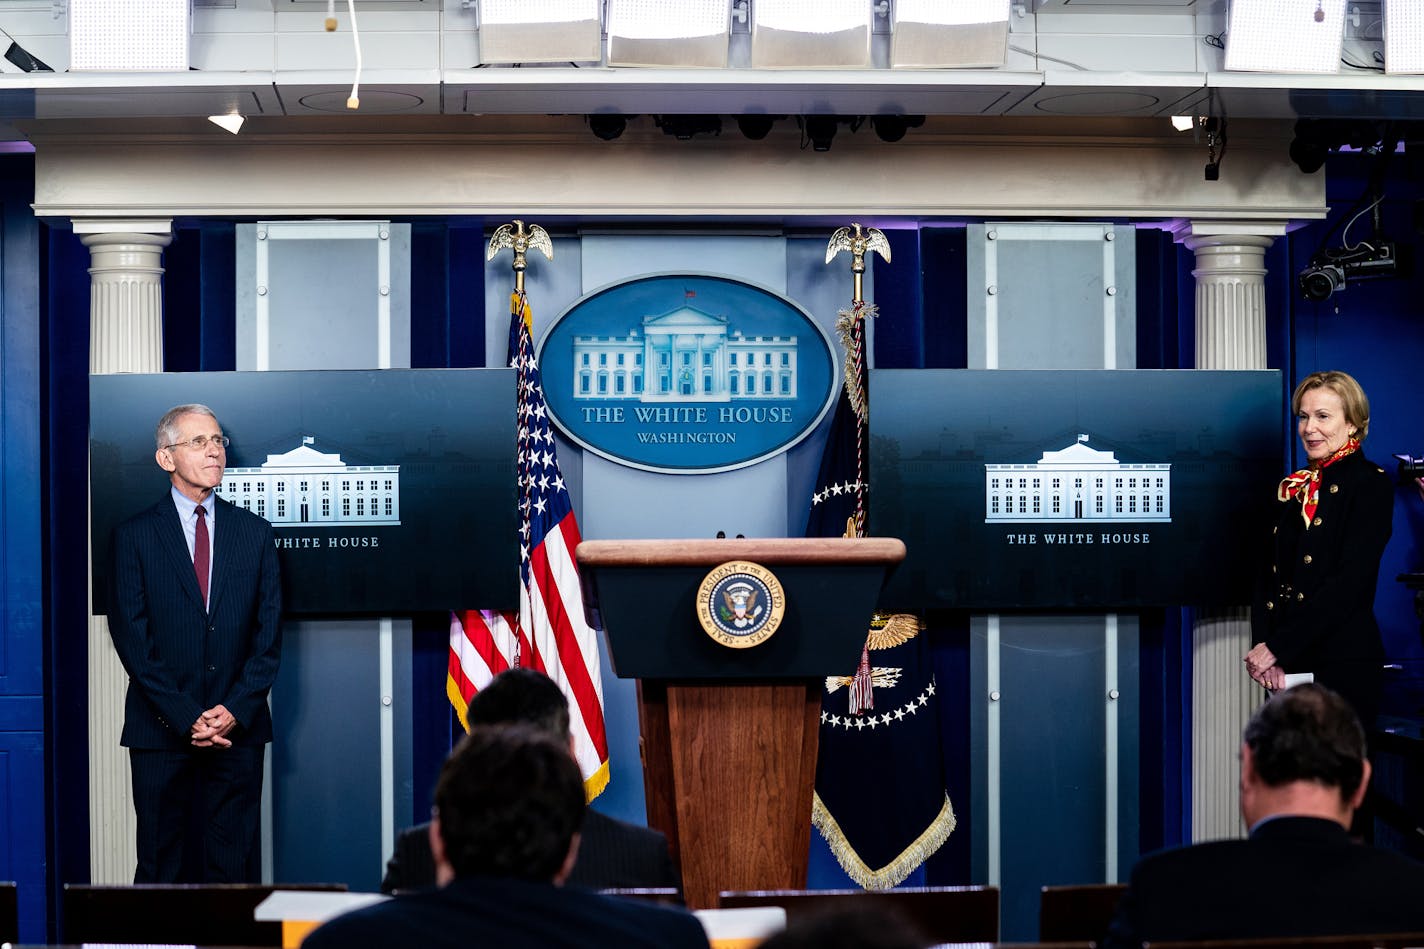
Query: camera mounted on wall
[{"x": 1332, "y": 268}]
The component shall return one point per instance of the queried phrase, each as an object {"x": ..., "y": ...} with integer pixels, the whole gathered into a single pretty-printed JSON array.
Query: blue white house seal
[
  {"x": 687, "y": 373},
  {"x": 740, "y": 604}
]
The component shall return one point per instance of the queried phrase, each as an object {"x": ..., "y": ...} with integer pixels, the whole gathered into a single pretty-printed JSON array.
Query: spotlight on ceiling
[
  {"x": 684, "y": 127},
  {"x": 231, "y": 122},
  {"x": 892, "y": 128},
  {"x": 549, "y": 31},
  {"x": 755, "y": 127},
  {"x": 819, "y": 130},
  {"x": 1285, "y": 35},
  {"x": 1315, "y": 139},
  {"x": 1184, "y": 123},
  {"x": 682, "y": 34},
  {"x": 607, "y": 127},
  {"x": 811, "y": 34},
  {"x": 936, "y": 33},
  {"x": 1403, "y": 37}
]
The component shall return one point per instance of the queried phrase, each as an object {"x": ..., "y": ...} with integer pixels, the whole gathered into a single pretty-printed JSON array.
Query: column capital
[
  {"x": 1193, "y": 234},
  {"x": 97, "y": 228}
]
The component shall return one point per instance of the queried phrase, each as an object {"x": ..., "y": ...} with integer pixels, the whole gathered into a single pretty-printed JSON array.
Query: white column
[
  {"x": 125, "y": 335},
  {"x": 1230, "y": 334}
]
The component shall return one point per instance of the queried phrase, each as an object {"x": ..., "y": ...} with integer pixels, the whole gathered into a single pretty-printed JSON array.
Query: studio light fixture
[
  {"x": 685, "y": 127},
  {"x": 128, "y": 35},
  {"x": 1285, "y": 35},
  {"x": 963, "y": 33},
  {"x": 231, "y": 122},
  {"x": 661, "y": 33},
  {"x": 607, "y": 127},
  {"x": 811, "y": 34},
  {"x": 540, "y": 31},
  {"x": 1403, "y": 36},
  {"x": 892, "y": 128},
  {"x": 756, "y": 127},
  {"x": 820, "y": 131},
  {"x": 1184, "y": 123}
]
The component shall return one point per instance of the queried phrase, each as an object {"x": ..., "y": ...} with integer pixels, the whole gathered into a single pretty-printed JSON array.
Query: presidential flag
[
  {"x": 549, "y": 633},
  {"x": 880, "y": 798}
]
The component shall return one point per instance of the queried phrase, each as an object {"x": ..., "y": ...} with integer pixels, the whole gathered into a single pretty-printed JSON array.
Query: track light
[
  {"x": 892, "y": 128},
  {"x": 607, "y": 127},
  {"x": 819, "y": 130},
  {"x": 684, "y": 127},
  {"x": 1215, "y": 146},
  {"x": 755, "y": 127}
]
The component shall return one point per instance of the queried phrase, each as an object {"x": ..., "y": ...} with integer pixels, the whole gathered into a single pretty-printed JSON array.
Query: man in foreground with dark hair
[
  {"x": 508, "y": 808},
  {"x": 1303, "y": 774},
  {"x": 613, "y": 854}
]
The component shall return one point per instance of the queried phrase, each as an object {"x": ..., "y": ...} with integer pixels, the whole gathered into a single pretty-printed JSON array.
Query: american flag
[{"x": 549, "y": 633}]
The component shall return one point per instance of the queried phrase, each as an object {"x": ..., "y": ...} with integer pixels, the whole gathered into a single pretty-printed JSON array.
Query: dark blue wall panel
[{"x": 22, "y": 776}]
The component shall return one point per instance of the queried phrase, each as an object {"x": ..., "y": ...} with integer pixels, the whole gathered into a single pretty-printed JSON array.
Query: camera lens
[{"x": 1318, "y": 283}]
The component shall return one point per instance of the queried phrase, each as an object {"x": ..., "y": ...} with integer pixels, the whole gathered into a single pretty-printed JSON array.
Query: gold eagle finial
[
  {"x": 859, "y": 241},
  {"x": 520, "y": 239}
]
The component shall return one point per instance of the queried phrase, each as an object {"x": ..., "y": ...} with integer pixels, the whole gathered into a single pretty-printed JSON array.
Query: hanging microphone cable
[{"x": 354, "y": 100}]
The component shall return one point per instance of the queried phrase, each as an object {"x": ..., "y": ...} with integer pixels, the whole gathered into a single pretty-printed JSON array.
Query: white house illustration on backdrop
[
  {"x": 1077, "y": 483},
  {"x": 308, "y": 488},
  {"x": 685, "y": 355}
]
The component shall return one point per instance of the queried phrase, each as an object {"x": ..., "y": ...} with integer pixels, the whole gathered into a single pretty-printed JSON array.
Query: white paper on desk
[{"x": 1294, "y": 679}]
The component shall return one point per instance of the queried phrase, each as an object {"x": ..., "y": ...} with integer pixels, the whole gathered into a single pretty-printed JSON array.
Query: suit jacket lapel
[
  {"x": 170, "y": 534},
  {"x": 224, "y": 548}
]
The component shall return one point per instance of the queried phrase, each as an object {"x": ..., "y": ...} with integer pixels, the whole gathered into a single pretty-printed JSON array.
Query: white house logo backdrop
[
  {"x": 309, "y": 488},
  {"x": 1076, "y": 484},
  {"x": 686, "y": 373}
]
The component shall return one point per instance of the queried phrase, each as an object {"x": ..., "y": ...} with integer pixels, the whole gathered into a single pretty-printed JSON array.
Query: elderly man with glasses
[{"x": 195, "y": 607}]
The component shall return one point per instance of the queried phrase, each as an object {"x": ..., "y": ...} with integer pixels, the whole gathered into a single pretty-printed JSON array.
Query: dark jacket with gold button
[{"x": 1314, "y": 605}]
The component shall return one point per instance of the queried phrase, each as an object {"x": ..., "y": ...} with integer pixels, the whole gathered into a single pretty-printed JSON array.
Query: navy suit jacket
[
  {"x": 1294, "y": 876},
  {"x": 478, "y": 912},
  {"x": 183, "y": 659},
  {"x": 612, "y": 855}
]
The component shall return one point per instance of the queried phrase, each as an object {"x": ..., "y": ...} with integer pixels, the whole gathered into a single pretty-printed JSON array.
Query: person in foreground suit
[
  {"x": 508, "y": 807},
  {"x": 1303, "y": 773},
  {"x": 195, "y": 608},
  {"x": 612, "y": 853}
]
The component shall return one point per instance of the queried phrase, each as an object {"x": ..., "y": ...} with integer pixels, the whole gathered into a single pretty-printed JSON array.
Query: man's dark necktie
[{"x": 200, "y": 553}]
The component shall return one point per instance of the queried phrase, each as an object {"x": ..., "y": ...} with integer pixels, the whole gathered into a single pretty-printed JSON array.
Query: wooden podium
[{"x": 729, "y": 735}]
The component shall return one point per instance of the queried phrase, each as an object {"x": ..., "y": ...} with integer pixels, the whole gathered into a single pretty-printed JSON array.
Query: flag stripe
[{"x": 549, "y": 633}]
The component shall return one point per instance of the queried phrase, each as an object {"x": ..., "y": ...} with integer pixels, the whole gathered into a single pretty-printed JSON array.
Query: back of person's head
[
  {"x": 1307, "y": 733},
  {"x": 860, "y": 927},
  {"x": 521, "y": 696},
  {"x": 509, "y": 801}
]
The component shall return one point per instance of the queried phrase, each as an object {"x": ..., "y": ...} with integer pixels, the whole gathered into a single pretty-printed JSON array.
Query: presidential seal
[{"x": 740, "y": 604}]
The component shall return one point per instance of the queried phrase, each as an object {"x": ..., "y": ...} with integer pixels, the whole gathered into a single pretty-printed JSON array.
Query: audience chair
[
  {"x": 203, "y": 915},
  {"x": 1075, "y": 913},
  {"x": 1366, "y": 941},
  {"x": 9, "y": 913},
  {"x": 941, "y": 913},
  {"x": 662, "y": 895}
]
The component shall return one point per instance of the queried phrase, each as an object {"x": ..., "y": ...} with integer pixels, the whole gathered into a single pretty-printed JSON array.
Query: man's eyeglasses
[{"x": 200, "y": 442}]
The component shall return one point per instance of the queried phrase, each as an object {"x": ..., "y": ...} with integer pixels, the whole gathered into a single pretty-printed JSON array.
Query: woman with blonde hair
[{"x": 1314, "y": 608}]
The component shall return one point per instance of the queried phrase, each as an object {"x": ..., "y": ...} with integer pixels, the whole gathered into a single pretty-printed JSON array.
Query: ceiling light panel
[
  {"x": 965, "y": 33},
  {"x": 811, "y": 34},
  {"x": 540, "y": 31},
  {"x": 1285, "y": 35},
  {"x": 1403, "y": 36},
  {"x": 128, "y": 35},
  {"x": 660, "y": 33}
]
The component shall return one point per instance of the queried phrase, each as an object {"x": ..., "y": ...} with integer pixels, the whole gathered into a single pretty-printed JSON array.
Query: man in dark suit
[
  {"x": 612, "y": 854},
  {"x": 195, "y": 606},
  {"x": 1303, "y": 773},
  {"x": 508, "y": 808}
]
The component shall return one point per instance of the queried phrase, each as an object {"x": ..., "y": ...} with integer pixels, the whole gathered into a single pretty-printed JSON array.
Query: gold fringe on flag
[{"x": 896, "y": 870}]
